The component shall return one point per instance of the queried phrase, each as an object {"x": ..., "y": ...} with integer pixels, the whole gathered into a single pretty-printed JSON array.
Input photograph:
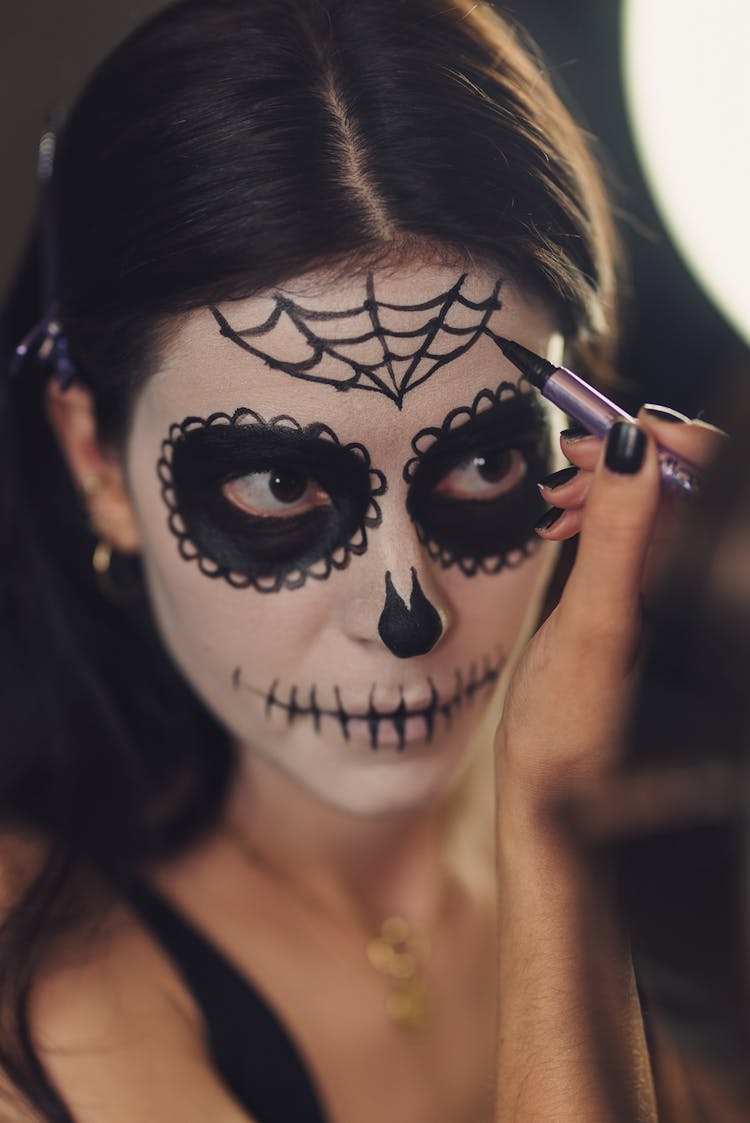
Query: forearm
[{"x": 570, "y": 1038}]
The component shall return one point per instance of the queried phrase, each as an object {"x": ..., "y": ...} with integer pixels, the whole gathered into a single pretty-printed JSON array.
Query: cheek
[
  {"x": 211, "y": 628},
  {"x": 219, "y": 637},
  {"x": 493, "y": 612}
]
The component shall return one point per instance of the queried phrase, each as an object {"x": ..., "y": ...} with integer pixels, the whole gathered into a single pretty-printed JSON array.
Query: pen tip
[{"x": 533, "y": 367}]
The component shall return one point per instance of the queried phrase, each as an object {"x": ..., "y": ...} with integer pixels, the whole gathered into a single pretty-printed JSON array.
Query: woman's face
[{"x": 335, "y": 486}]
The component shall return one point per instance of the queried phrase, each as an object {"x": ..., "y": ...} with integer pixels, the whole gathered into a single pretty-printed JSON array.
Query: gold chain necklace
[{"x": 399, "y": 952}]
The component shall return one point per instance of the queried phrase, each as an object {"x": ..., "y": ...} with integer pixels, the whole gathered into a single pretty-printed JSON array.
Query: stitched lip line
[{"x": 464, "y": 691}]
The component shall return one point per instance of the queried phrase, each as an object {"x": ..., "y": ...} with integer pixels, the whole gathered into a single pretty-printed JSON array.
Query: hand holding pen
[
  {"x": 567, "y": 489},
  {"x": 681, "y": 456},
  {"x": 593, "y": 411},
  {"x": 577, "y": 665}
]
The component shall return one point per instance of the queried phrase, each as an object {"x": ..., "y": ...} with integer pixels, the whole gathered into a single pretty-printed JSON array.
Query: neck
[{"x": 356, "y": 866}]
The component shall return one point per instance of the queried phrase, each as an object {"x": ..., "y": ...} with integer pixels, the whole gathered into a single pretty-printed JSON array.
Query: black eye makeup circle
[
  {"x": 473, "y": 495},
  {"x": 235, "y": 486}
]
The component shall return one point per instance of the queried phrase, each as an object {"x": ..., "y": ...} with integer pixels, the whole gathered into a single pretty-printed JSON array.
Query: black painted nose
[{"x": 412, "y": 630}]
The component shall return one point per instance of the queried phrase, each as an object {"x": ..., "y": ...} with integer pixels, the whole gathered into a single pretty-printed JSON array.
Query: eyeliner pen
[{"x": 593, "y": 410}]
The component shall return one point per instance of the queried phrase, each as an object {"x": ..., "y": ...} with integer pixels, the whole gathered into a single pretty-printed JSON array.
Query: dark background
[{"x": 678, "y": 349}]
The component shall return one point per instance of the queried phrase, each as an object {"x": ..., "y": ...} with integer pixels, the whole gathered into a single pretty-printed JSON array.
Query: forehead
[{"x": 382, "y": 349}]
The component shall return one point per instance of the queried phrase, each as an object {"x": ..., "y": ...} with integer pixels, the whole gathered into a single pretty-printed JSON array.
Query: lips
[{"x": 398, "y": 724}]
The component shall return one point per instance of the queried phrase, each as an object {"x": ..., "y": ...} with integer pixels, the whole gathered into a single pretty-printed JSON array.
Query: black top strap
[{"x": 253, "y": 1053}]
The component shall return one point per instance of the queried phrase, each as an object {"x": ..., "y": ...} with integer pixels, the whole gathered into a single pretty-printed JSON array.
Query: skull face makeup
[{"x": 365, "y": 687}]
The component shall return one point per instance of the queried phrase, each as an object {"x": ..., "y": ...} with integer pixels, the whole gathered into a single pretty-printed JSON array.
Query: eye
[
  {"x": 484, "y": 475},
  {"x": 285, "y": 491}
]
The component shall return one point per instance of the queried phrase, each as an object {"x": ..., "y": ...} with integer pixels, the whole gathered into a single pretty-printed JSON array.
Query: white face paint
[{"x": 302, "y": 676}]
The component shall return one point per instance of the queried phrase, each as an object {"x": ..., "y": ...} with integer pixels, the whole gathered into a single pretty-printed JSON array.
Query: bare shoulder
[
  {"x": 117, "y": 1034},
  {"x": 106, "y": 983}
]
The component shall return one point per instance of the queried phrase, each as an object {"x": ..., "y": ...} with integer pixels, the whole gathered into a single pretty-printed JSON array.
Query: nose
[{"x": 413, "y": 629}]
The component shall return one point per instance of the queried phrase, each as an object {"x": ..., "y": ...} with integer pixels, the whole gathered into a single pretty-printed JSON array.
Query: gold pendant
[
  {"x": 407, "y": 1005},
  {"x": 397, "y": 953}
]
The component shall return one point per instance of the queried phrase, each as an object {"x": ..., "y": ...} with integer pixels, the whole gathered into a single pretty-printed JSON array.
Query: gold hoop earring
[
  {"x": 91, "y": 486},
  {"x": 102, "y": 558},
  {"x": 115, "y": 590}
]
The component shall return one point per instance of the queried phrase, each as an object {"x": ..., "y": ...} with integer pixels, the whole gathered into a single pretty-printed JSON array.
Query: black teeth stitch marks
[
  {"x": 391, "y": 372},
  {"x": 473, "y": 495},
  {"x": 289, "y": 538},
  {"x": 463, "y": 693},
  {"x": 409, "y": 630}
]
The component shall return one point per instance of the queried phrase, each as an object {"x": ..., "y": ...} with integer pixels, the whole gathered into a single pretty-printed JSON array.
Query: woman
[{"x": 243, "y": 808}]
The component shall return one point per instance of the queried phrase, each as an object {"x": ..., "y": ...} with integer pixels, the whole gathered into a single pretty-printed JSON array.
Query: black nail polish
[
  {"x": 664, "y": 413},
  {"x": 549, "y": 518},
  {"x": 626, "y": 448},
  {"x": 557, "y": 479},
  {"x": 575, "y": 433}
]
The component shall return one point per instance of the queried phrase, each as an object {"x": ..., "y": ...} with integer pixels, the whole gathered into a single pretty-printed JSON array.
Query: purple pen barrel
[
  {"x": 592, "y": 410},
  {"x": 582, "y": 402},
  {"x": 598, "y": 414}
]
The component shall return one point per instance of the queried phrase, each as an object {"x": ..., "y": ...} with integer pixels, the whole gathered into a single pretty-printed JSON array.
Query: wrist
[
  {"x": 530, "y": 803},
  {"x": 539, "y": 852}
]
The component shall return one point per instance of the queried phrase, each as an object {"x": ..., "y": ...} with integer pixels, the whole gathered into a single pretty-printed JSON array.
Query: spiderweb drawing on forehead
[{"x": 380, "y": 375}]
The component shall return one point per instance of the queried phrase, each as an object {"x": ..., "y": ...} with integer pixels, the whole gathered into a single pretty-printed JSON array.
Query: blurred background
[{"x": 626, "y": 69}]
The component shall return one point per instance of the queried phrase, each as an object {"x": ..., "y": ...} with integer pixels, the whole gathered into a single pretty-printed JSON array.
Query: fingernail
[
  {"x": 698, "y": 423},
  {"x": 557, "y": 479},
  {"x": 626, "y": 448},
  {"x": 575, "y": 433},
  {"x": 664, "y": 413},
  {"x": 549, "y": 518}
]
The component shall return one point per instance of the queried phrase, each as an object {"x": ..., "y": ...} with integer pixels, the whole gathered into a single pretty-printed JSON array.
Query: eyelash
[
  {"x": 279, "y": 507},
  {"x": 251, "y": 482},
  {"x": 513, "y": 474}
]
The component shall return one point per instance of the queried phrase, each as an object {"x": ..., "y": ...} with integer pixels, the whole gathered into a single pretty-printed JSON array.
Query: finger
[
  {"x": 695, "y": 441},
  {"x": 557, "y": 524},
  {"x": 583, "y": 451},
  {"x": 603, "y": 591},
  {"x": 566, "y": 488}
]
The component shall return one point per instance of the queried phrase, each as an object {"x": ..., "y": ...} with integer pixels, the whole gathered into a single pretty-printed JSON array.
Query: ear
[{"x": 96, "y": 470}]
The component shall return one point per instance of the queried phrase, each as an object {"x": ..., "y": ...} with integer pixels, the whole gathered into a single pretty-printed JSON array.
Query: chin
[{"x": 386, "y": 782}]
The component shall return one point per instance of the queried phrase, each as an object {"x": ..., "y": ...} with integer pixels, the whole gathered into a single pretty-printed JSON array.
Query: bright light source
[{"x": 687, "y": 81}]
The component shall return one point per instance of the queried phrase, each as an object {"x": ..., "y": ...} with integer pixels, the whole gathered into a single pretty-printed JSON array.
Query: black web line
[
  {"x": 367, "y": 376},
  {"x": 380, "y": 333},
  {"x": 430, "y": 338}
]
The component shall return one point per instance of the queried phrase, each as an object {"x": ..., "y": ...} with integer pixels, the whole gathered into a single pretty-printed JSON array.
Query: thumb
[{"x": 602, "y": 595}]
